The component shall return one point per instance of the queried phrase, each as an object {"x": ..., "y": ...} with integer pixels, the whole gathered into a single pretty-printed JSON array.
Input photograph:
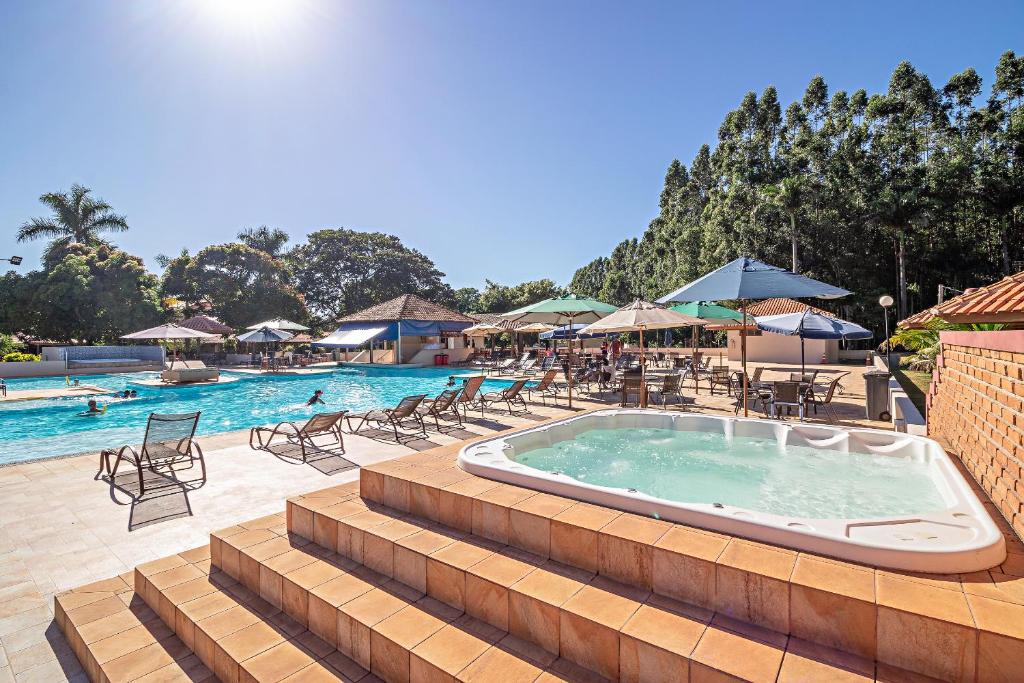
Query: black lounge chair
[
  {"x": 169, "y": 440},
  {"x": 442, "y": 407},
  {"x": 400, "y": 416},
  {"x": 511, "y": 396},
  {"x": 321, "y": 424}
]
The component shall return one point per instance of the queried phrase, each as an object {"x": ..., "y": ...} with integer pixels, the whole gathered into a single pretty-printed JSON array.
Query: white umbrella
[
  {"x": 483, "y": 330},
  {"x": 279, "y": 324},
  {"x": 169, "y": 332},
  {"x": 535, "y": 327},
  {"x": 637, "y": 317}
]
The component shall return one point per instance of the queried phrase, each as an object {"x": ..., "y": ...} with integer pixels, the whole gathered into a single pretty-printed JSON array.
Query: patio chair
[
  {"x": 321, "y": 424},
  {"x": 826, "y": 401},
  {"x": 755, "y": 394},
  {"x": 787, "y": 395},
  {"x": 756, "y": 377},
  {"x": 441, "y": 407},
  {"x": 401, "y": 415},
  {"x": 169, "y": 440},
  {"x": 720, "y": 377},
  {"x": 511, "y": 396},
  {"x": 632, "y": 383},
  {"x": 669, "y": 387},
  {"x": 470, "y": 396},
  {"x": 545, "y": 387}
]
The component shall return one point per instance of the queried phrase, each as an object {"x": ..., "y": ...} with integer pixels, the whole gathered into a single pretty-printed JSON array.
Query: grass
[{"x": 915, "y": 383}]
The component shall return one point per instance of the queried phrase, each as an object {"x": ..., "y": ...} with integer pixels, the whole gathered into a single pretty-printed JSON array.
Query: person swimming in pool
[
  {"x": 315, "y": 398},
  {"x": 94, "y": 409},
  {"x": 133, "y": 394}
]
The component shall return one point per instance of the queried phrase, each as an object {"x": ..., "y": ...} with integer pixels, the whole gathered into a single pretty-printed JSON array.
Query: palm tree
[
  {"x": 77, "y": 217},
  {"x": 788, "y": 197}
]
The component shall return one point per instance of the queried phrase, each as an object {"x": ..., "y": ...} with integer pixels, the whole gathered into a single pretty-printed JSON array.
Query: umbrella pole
[
  {"x": 693, "y": 363},
  {"x": 743, "y": 354},
  {"x": 801, "y": 355},
  {"x": 643, "y": 372},
  {"x": 570, "y": 362}
]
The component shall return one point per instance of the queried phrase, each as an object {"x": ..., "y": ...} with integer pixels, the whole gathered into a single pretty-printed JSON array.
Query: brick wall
[{"x": 976, "y": 405}]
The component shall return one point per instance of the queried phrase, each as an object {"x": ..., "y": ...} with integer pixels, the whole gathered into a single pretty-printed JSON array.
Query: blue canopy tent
[
  {"x": 811, "y": 325},
  {"x": 404, "y": 316},
  {"x": 563, "y": 333},
  {"x": 744, "y": 279}
]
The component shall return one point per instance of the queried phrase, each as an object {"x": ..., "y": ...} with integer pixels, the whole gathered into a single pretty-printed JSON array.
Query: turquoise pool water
[
  {"x": 758, "y": 474},
  {"x": 30, "y": 430}
]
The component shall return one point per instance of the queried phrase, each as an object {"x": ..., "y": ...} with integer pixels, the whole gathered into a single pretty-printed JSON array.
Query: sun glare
[{"x": 251, "y": 16}]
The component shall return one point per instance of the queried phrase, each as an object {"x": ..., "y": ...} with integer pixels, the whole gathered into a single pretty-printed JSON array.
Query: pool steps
[{"x": 421, "y": 572}]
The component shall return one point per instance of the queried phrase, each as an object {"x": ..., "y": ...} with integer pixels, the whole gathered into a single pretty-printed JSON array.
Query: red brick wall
[{"x": 976, "y": 405}]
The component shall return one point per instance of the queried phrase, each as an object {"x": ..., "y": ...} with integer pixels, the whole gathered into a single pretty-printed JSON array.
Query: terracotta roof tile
[
  {"x": 205, "y": 323},
  {"x": 408, "y": 307},
  {"x": 1000, "y": 302},
  {"x": 781, "y": 306}
]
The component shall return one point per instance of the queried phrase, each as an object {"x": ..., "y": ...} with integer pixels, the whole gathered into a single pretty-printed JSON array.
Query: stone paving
[{"x": 61, "y": 527}]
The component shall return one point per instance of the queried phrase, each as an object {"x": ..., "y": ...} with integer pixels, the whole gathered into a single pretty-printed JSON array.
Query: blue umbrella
[
  {"x": 563, "y": 333},
  {"x": 746, "y": 278},
  {"x": 811, "y": 325}
]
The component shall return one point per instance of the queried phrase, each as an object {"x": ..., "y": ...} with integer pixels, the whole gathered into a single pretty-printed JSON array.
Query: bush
[
  {"x": 8, "y": 344},
  {"x": 18, "y": 357}
]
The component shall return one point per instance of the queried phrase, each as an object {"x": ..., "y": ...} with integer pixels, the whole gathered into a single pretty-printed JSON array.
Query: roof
[
  {"x": 489, "y": 318},
  {"x": 1001, "y": 302},
  {"x": 780, "y": 307},
  {"x": 408, "y": 307},
  {"x": 205, "y": 323},
  {"x": 919, "y": 320}
]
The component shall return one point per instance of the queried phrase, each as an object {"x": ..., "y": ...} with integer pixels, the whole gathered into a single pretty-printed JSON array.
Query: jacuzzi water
[
  {"x": 706, "y": 467},
  {"x": 877, "y": 497}
]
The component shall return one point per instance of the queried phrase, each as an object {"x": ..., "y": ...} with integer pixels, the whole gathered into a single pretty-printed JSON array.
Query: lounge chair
[
  {"x": 185, "y": 371},
  {"x": 470, "y": 396},
  {"x": 169, "y": 439},
  {"x": 401, "y": 415},
  {"x": 321, "y": 424},
  {"x": 669, "y": 387},
  {"x": 510, "y": 396},
  {"x": 505, "y": 367},
  {"x": 442, "y": 407},
  {"x": 545, "y": 387}
]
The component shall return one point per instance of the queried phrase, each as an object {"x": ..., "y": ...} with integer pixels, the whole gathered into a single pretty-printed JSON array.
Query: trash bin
[
  {"x": 444, "y": 359},
  {"x": 437, "y": 359},
  {"x": 876, "y": 392}
]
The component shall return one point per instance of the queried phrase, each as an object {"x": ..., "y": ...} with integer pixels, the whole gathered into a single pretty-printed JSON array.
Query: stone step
[{"x": 954, "y": 627}]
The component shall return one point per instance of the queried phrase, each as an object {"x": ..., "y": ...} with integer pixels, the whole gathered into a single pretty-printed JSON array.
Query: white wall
[{"x": 780, "y": 348}]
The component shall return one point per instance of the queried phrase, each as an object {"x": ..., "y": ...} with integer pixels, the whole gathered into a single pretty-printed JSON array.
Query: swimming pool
[
  {"x": 30, "y": 430},
  {"x": 872, "y": 496}
]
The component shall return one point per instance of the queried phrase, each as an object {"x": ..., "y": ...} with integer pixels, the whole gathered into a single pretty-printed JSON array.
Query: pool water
[
  {"x": 30, "y": 430},
  {"x": 707, "y": 467}
]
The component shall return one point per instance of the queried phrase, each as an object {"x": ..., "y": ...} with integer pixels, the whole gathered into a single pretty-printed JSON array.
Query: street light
[
  {"x": 886, "y": 301},
  {"x": 14, "y": 260}
]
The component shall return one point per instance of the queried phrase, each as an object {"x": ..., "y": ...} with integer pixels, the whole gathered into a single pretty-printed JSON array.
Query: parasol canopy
[
  {"x": 279, "y": 324},
  {"x": 264, "y": 335},
  {"x": 811, "y": 325},
  {"x": 169, "y": 332}
]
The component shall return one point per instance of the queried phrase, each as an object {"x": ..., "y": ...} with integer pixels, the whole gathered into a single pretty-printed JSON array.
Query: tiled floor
[{"x": 61, "y": 528}]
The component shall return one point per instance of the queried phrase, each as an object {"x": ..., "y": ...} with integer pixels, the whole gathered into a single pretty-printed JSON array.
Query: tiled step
[
  {"x": 614, "y": 630},
  {"x": 953, "y": 627}
]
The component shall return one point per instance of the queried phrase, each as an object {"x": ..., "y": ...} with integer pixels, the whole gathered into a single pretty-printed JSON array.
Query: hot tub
[{"x": 877, "y": 497}]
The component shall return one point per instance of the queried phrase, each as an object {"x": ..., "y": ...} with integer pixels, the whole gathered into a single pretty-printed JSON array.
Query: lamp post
[
  {"x": 886, "y": 302},
  {"x": 14, "y": 260}
]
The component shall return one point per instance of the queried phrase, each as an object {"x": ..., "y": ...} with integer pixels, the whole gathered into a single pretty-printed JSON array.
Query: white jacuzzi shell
[{"x": 961, "y": 538}]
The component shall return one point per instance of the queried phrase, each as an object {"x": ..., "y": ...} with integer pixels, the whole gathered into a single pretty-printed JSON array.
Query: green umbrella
[
  {"x": 706, "y": 310},
  {"x": 559, "y": 311}
]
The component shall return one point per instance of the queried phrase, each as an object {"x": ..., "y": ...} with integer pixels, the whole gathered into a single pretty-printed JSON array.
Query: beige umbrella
[
  {"x": 169, "y": 332},
  {"x": 279, "y": 324},
  {"x": 483, "y": 330},
  {"x": 638, "y": 317}
]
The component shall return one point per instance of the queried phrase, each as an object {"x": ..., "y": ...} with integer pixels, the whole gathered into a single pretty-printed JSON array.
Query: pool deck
[
  {"x": 60, "y": 527},
  {"x": 37, "y": 394}
]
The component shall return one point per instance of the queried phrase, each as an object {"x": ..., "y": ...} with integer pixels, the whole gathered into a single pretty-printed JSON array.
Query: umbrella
[
  {"x": 169, "y": 332},
  {"x": 558, "y": 310},
  {"x": 705, "y": 310},
  {"x": 566, "y": 331},
  {"x": 535, "y": 327},
  {"x": 746, "y": 278},
  {"x": 279, "y": 324},
  {"x": 639, "y": 316},
  {"x": 265, "y": 335},
  {"x": 483, "y": 330},
  {"x": 811, "y": 325}
]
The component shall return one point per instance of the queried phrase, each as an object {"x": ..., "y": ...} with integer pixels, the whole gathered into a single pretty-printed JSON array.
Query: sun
[{"x": 250, "y": 16}]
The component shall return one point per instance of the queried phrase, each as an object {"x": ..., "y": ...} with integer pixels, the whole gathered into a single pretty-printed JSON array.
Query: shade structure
[
  {"x": 535, "y": 328},
  {"x": 567, "y": 331},
  {"x": 168, "y": 332},
  {"x": 560, "y": 310},
  {"x": 744, "y": 279},
  {"x": 279, "y": 324},
  {"x": 264, "y": 335},
  {"x": 353, "y": 337},
  {"x": 640, "y": 316},
  {"x": 811, "y": 325},
  {"x": 707, "y": 311},
  {"x": 482, "y": 330}
]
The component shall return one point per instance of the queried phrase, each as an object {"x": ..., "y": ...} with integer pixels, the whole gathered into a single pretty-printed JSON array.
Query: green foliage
[
  {"x": 498, "y": 298},
  {"x": 343, "y": 271},
  {"x": 8, "y": 344},
  {"x": 467, "y": 299},
  {"x": 269, "y": 241},
  {"x": 18, "y": 357},
  {"x": 241, "y": 284},
  {"x": 76, "y": 218},
  {"x": 896, "y": 192}
]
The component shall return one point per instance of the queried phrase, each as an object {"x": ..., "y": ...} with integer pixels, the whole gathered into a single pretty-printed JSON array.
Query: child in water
[
  {"x": 94, "y": 409},
  {"x": 315, "y": 398}
]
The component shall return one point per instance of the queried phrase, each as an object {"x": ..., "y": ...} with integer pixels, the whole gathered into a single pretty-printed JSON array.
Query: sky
[{"x": 507, "y": 141}]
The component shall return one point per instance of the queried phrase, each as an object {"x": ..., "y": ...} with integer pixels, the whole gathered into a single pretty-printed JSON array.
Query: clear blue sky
[{"x": 510, "y": 141}]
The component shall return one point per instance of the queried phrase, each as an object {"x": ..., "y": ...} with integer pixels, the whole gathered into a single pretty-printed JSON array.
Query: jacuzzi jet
[
  {"x": 631, "y": 490},
  {"x": 717, "y": 505}
]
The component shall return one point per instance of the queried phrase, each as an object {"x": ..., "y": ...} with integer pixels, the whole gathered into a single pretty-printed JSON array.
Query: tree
[
  {"x": 498, "y": 298},
  {"x": 242, "y": 285},
  {"x": 76, "y": 217},
  {"x": 270, "y": 241},
  {"x": 788, "y": 196},
  {"x": 467, "y": 299},
  {"x": 344, "y": 271}
]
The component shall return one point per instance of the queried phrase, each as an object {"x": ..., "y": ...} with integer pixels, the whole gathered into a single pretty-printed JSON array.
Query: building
[{"x": 765, "y": 347}]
